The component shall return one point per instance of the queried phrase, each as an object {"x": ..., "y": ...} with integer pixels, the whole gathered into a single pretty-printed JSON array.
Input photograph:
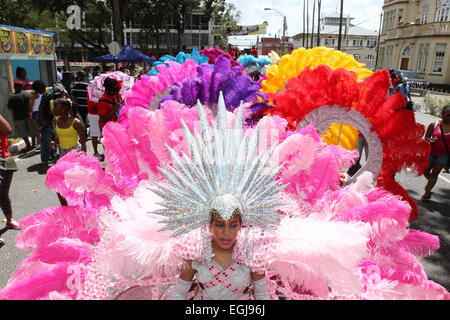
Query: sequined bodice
[{"x": 239, "y": 278}]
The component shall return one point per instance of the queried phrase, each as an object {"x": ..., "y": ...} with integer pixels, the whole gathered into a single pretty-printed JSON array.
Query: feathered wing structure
[
  {"x": 108, "y": 239},
  {"x": 181, "y": 58},
  {"x": 322, "y": 86},
  {"x": 210, "y": 80},
  {"x": 150, "y": 88},
  {"x": 189, "y": 82},
  {"x": 328, "y": 256},
  {"x": 62, "y": 240},
  {"x": 291, "y": 65},
  {"x": 214, "y": 53}
]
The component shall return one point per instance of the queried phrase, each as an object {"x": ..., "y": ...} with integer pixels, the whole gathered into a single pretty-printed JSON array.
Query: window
[
  {"x": 388, "y": 56},
  {"x": 443, "y": 11},
  {"x": 400, "y": 16},
  {"x": 406, "y": 52},
  {"x": 195, "y": 39},
  {"x": 371, "y": 43},
  {"x": 424, "y": 17},
  {"x": 391, "y": 20},
  {"x": 357, "y": 42},
  {"x": 204, "y": 39},
  {"x": 330, "y": 41},
  {"x": 196, "y": 21},
  {"x": 187, "y": 39},
  {"x": 381, "y": 59},
  {"x": 419, "y": 58},
  {"x": 370, "y": 61},
  {"x": 439, "y": 58},
  {"x": 422, "y": 57},
  {"x": 135, "y": 38}
]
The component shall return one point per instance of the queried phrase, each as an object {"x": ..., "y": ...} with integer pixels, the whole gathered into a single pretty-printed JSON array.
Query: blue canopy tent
[
  {"x": 129, "y": 54},
  {"x": 105, "y": 58}
]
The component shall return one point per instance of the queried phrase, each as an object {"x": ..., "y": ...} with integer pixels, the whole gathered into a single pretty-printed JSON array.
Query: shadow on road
[
  {"x": 28, "y": 154},
  {"x": 40, "y": 168}
]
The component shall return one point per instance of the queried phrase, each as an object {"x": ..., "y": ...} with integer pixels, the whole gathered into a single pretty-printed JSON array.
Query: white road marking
[
  {"x": 445, "y": 179},
  {"x": 439, "y": 176}
]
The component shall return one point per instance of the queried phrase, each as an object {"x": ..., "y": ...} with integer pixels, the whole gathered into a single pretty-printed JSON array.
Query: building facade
[
  {"x": 197, "y": 34},
  {"x": 415, "y": 36},
  {"x": 266, "y": 45},
  {"x": 355, "y": 40}
]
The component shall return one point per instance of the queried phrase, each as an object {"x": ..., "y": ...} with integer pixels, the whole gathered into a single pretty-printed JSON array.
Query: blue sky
[{"x": 366, "y": 13}]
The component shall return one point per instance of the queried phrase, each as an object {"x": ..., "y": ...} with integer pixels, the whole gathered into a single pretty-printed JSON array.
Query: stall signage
[
  {"x": 21, "y": 41},
  {"x": 7, "y": 43}
]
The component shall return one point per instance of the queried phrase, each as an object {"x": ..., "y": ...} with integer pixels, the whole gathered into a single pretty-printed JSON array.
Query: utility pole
[
  {"x": 303, "y": 23},
  {"x": 319, "y": 2},
  {"x": 340, "y": 26},
  {"x": 312, "y": 24},
  {"x": 307, "y": 24},
  {"x": 378, "y": 41}
]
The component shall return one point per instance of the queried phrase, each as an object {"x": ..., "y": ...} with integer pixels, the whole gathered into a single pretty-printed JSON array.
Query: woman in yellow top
[{"x": 69, "y": 129}]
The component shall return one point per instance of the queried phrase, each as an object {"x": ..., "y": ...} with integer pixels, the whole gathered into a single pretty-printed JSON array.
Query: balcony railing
[{"x": 420, "y": 30}]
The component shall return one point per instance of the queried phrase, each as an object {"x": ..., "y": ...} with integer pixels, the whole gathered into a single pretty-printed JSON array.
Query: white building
[{"x": 357, "y": 41}]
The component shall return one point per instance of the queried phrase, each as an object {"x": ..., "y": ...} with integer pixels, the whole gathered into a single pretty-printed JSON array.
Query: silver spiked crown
[{"x": 223, "y": 173}]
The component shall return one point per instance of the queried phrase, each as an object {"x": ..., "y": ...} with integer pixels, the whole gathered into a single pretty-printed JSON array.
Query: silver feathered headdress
[{"x": 223, "y": 173}]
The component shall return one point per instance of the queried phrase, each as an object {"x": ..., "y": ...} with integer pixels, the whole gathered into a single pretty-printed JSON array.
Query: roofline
[
  {"x": 394, "y": 2},
  {"x": 28, "y": 30}
]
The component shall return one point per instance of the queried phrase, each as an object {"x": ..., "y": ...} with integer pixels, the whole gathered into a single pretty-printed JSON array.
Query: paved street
[{"x": 29, "y": 194}]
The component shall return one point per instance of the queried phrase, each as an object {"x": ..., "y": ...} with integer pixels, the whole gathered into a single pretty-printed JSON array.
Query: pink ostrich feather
[
  {"x": 68, "y": 177},
  {"x": 40, "y": 284},
  {"x": 134, "y": 247},
  {"x": 63, "y": 250},
  {"x": 120, "y": 157},
  {"x": 313, "y": 253},
  {"x": 148, "y": 87},
  {"x": 143, "y": 131},
  {"x": 45, "y": 227}
]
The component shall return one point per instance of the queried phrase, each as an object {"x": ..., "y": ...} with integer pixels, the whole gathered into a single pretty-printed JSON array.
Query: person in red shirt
[
  {"x": 110, "y": 102},
  {"x": 7, "y": 168},
  {"x": 21, "y": 77},
  {"x": 94, "y": 127}
]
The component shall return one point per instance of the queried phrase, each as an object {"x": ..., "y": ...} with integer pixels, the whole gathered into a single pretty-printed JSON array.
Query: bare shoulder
[{"x": 77, "y": 122}]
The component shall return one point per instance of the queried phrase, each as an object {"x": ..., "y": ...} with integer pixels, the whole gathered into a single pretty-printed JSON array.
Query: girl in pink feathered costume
[{"x": 325, "y": 242}]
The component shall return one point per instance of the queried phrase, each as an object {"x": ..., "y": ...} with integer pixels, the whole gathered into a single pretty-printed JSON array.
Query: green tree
[
  {"x": 224, "y": 16},
  {"x": 96, "y": 16},
  {"x": 18, "y": 13}
]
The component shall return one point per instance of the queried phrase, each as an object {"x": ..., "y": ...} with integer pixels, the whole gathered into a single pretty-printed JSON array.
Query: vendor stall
[{"x": 32, "y": 50}]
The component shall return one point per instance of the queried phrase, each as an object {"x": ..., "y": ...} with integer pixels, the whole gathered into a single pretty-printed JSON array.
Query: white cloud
[{"x": 365, "y": 13}]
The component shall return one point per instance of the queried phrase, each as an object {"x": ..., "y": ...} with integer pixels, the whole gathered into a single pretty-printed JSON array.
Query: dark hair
[
  {"x": 19, "y": 70},
  {"x": 38, "y": 86},
  {"x": 446, "y": 108},
  {"x": 109, "y": 84},
  {"x": 70, "y": 107},
  {"x": 80, "y": 75}
]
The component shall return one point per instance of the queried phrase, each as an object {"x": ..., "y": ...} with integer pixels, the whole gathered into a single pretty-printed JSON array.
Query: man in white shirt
[{"x": 59, "y": 76}]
